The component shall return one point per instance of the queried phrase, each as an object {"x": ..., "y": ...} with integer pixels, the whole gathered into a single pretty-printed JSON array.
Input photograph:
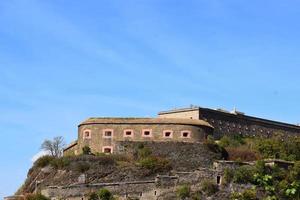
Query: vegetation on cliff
[
  {"x": 142, "y": 161},
  {"x": 240, "y": 148}
]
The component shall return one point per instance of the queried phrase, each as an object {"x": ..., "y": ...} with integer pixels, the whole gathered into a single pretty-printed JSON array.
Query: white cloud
[{"x": 38, "y": 155}]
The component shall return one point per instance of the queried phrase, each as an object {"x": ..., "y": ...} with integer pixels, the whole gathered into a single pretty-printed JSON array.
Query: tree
[
  {"x": 54, "y": 147},
  {"x": 105, "y": 194},
  {"x": 86, "y": 150}
]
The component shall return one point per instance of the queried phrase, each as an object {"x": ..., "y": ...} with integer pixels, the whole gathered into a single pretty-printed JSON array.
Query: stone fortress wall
[
  {"x": 185, "y": 125},
  {"x": 234, "y": 122},
  {"x": 101, "y": 134},
  {"x": 142, "y": 190}
]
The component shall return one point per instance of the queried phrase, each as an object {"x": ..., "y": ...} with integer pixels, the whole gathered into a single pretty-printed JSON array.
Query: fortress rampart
[
  {"x": 182, "y": 125},
  {"x": 234, "y": 122},
  {"x": 101, "y": 134}
]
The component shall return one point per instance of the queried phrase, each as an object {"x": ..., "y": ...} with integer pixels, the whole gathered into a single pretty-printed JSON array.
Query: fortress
[
  {"x": 192, "y": 125},
  {"x": 178, "y": 156}
]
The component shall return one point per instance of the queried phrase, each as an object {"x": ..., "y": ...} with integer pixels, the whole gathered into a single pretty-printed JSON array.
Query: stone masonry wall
[
  {"x": 183, "y": 156},
  {"x": 142, "y": 190},
  {"x": 225, "y": 124},
  {"x": 96, "y": 142}
]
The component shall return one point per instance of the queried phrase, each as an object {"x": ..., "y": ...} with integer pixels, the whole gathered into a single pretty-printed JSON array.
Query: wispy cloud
[{"x": 38, "y": 155}]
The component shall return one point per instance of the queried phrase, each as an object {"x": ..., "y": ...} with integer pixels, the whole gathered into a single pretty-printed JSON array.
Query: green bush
[
  {"x": 140, "y": 146},
  {"x": 154, "y": 163},
  {"x": 214, "y": 147},
  {"x": 43, "y": 161},
  {"x": 294, "y": 174},
  {"x": 183, "y": 192},
  {"x": 248, "y": 194},
  {"x": 232, "y": 141},
  {"x": 86, "y": 150},
  {"x": 228, "y": 175},
  {"x": 244, "y": 174},
  {"x": 144, "y": 152},
  {"x": 241, "y": 154},
  {"x": 36, "y": 197},
  {"x": 82, "y": 166},
  {"x": 209, "y": 187},
  {"x": 60, "y": 163},
  {"x": 93, "y": 196},
  {"x": 236, "y": 196},
  {"x": 105, "y": 194},
  {"x": 196, "y": 196},
  {"x": 276, "y": 147}
]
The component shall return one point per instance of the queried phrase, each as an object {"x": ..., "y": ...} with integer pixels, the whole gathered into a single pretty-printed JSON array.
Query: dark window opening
[
  {"x": 107, "y": 133},
  {"x": 147, "y": 133},
  {"x": 168, "y": 134},
  {"x": 218, "y": 180},
  {"x": 185, "y": 134},
  {"x": 128, "y": 133},
  {"x": 107, "y": 150}
]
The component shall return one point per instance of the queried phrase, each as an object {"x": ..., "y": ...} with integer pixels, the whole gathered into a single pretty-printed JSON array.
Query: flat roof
[
  {"x": 234, "y": 114},
  {"x": 120, "y": 120}
]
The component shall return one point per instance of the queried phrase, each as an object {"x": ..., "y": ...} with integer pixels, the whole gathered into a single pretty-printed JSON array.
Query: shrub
[
  {"x": 60, "y": 163},
  {"x": 242, "y": 154},
  {"x": 86, "y": 150},
  {"x": 43, "y": 161},
  {"x": 154, "y": 163},
  {"x": 93, "y": 196},
  {"x": 120, "y": 158},
  {"x": 100, "y": 154},
  {"x": 144, "y": 152},
  {"x": 196, "y": 196},
  {"x": 105, "y": 194},
  {"x": 183, "y": 192},
  {"x": 82, "y": 166},
  {"x": 214, "y": 147},
  {"x": 36, "y": 197},
  {"x": 235, "y": 196},
  {"x": 209, "y": 187},
  {"x": 295, "y": 172},
  {"x": 228, "y": 175},
  {"x": 269, "y": 148},
  {"x": 140, "y": 146},
  {"x": 232, "y": 141},
  {"x": 244, "y": 174},
  {"x": 293, "y": 190},
  {"x": 248, "y": 194},
  {"x": 276, "y": 147}
]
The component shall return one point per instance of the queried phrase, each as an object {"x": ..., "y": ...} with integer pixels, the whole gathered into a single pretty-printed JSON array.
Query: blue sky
[{"x": 62, "y": 61}]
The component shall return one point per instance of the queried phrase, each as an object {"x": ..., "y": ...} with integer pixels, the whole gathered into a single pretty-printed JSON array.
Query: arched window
[{"x": 87, "y": 134}]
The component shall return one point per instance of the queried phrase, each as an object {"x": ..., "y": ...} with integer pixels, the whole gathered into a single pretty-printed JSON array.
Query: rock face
[
  {"x": 183, "y": 156},
  {"x": 121, "y": 172}
]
